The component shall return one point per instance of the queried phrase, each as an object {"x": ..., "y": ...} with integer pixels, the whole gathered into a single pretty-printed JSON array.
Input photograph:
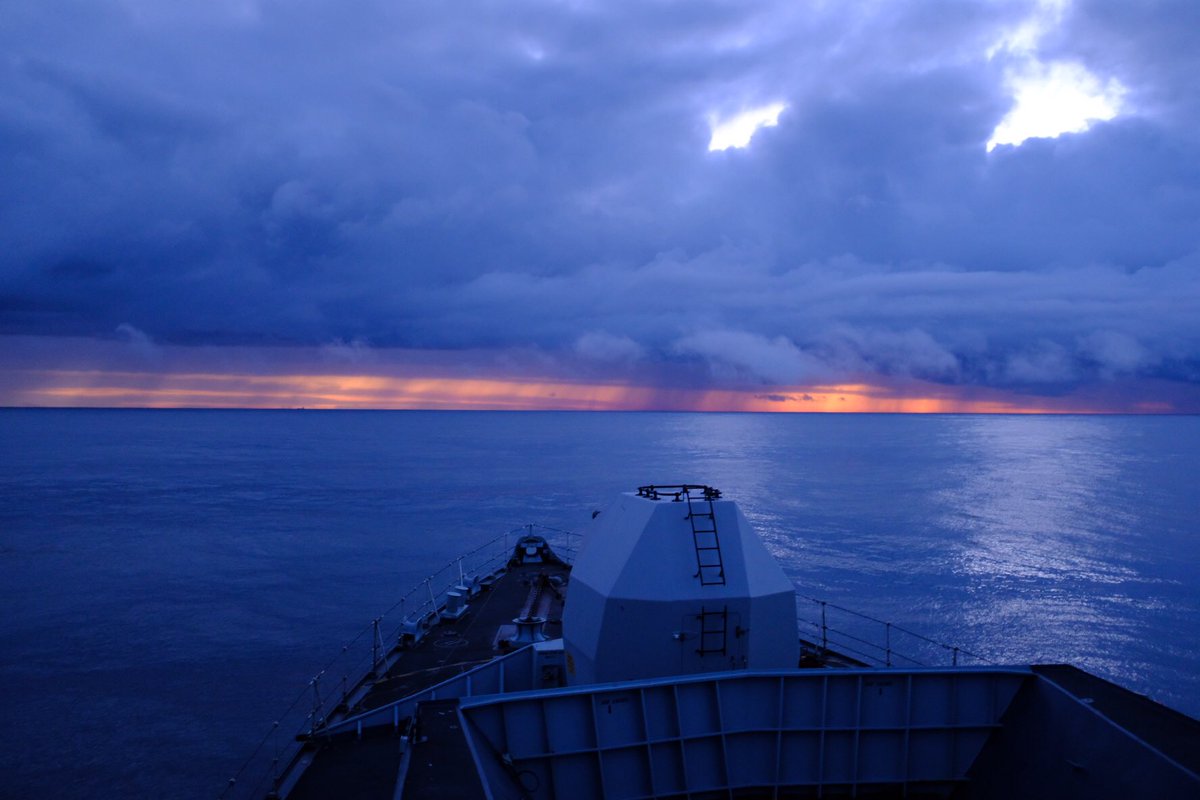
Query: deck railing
[
  {"x": 351, "y": 673},
  {"x": 827, "y": 626},
  {"x": 369, "y": 653}
]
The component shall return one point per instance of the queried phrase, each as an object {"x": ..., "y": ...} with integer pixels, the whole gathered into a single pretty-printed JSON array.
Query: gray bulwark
[{"x": 640, "y": 609}]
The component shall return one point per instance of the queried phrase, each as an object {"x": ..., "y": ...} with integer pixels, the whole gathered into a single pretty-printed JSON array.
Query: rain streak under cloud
[{"x": 895, "y": 206}]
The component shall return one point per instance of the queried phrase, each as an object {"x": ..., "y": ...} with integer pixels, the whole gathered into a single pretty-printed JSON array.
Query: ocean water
[{"x": 170, "y": 579}]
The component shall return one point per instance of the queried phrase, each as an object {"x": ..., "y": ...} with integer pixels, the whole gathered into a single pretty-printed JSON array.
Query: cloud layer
[{"x": 535, "y": 177}]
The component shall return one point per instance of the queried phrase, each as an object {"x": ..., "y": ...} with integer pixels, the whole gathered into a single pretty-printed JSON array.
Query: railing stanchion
[
  {"x": 376, "y": 646},
  {"x": 267, "y": 769},
  {"x": 890, "y": 652},
  {"x": 275, "y": 776},
  {"x": 824, "y": 629},
  {"x": 316, "y": 684}
]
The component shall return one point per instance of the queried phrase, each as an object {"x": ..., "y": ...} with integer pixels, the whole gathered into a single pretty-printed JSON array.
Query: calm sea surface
[{"x": 170, "y": 579}]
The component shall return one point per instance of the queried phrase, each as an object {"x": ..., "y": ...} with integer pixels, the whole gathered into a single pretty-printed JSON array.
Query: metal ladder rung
[
  {"x": 721, "y": 630},
  {"x": 706, "y": 566}
]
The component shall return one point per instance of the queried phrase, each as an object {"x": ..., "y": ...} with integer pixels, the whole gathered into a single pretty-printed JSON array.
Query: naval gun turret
[{"x": 673, "y": 580}]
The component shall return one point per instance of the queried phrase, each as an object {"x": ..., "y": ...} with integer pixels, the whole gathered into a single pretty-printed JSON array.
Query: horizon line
[
  {"x": 490, "y": 410},
  {"x": 429, "y": 390}
]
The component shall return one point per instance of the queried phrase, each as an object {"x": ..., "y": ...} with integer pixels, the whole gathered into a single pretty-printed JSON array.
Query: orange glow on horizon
[{"x": 363, "y": 391}]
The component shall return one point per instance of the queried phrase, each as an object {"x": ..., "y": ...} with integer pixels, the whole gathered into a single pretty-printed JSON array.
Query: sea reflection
[
  {"x": 1044, "y": 538},
  {"x": 162, "y": 543},
  {"x": 1034, "y": 500},
  {"x": 1021, "y": 539}
]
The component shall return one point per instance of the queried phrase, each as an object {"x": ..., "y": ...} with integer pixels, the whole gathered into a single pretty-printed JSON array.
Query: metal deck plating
[{"x": 474, "y": 700}]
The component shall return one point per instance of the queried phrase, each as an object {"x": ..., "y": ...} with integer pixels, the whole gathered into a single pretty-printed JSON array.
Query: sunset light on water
[{"x": 300, "y": 299}]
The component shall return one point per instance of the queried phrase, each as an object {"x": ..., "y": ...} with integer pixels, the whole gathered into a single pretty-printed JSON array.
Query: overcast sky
[{"x": 533, "y": 191}]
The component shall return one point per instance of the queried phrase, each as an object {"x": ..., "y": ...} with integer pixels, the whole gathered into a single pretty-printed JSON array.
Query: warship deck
[
  {"x": 377, "y": 765},
  {"x": 833, "y": 728}
]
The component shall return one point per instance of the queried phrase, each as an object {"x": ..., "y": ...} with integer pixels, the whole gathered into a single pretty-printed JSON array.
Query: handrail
[
  {"x": 464, "y": 684},
  {"x": 353, "y": 669},
  {"x": 489, "y": 558},
  {"x": 677, "y": 491},
  {"x": 879, "y": 653}
]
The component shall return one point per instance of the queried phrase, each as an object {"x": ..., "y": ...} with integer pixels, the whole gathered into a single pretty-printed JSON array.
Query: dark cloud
[{"x": 536, "y": 176}]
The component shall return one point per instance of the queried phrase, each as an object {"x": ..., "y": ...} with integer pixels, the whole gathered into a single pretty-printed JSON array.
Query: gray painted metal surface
[
  {"x": 520, "y": 671},
  {"x": 641, "y": 607},
  {"x": 817, "y": 729},
  {"x": 686, "y": 685},
  {"x": 966, "y": 732}
]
